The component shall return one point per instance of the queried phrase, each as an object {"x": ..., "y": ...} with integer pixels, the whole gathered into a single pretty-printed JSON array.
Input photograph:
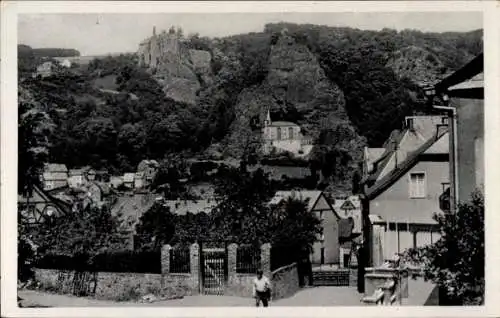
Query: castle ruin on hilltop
[{"x": 162, "y": 47}]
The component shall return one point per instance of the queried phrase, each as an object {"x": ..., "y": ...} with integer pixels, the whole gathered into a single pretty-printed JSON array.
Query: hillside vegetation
[{"x": 346, "y": 88}]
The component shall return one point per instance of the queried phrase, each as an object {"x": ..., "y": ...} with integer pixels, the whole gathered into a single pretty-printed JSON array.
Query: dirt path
[{"x": 420, "y": 294}]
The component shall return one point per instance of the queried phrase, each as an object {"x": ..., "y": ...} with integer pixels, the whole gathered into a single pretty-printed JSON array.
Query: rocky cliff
[
  {"x": 295, "y": 89},
  {"x": 181, "y": 71}
]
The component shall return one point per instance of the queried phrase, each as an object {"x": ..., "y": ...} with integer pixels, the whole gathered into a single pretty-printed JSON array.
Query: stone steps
[{"x": 331, "y": 278}]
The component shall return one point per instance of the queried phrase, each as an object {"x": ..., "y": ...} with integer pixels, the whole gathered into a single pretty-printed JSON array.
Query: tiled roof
[
  {"x": 403, "y": 167},
  {"x": 282, "y": 124},
  {"x": 276, "y": 172},
  {"x": 182, "y": 207},
  {"x": 133, "y": 207},
  {"x": 55, "y": 167}
]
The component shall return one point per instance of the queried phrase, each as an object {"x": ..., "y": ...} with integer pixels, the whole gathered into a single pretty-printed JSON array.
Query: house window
[
  {"x": 417, "y": 185},
  {"x": 290, "y": 133},
  {"x": 279, "y": 133},
  {"x": 322, "y": 255}
]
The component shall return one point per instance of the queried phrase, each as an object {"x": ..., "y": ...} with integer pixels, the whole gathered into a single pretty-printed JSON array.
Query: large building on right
[{"x": 462, "y": 96}]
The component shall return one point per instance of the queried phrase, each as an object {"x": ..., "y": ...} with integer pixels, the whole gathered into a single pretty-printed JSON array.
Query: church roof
[{"x": 283, "y": 124}]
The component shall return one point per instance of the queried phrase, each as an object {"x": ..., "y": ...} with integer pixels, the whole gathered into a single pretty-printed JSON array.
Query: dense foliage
[
  {"x": 242, "y": 216},
  {"x": 115, "y": 261},
  {"x": 113, "y": 113},
  {"x": 456, "y": 262},
  {"x": 89, "y": 231}
]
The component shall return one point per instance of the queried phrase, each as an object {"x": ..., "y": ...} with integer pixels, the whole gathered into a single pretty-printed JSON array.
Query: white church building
[{"x": 284, "y": 136}]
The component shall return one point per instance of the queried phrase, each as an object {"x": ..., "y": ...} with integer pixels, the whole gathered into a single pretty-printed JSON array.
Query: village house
[
  {"x": 326, "y": 250},
  {"x": 284, "y": 136},
  {"x": 403, "y": 185},
  {"x": 45, "y": 69},
  {"x": 76, "y": 178},
  {"x": 129, "y": 180},
  {"x": 116, "y": 181},
  {"x": 148, "y": 168},
  {"x": 54, "y": 176},
  {"x": 463, "y": 94},
  {"x": 350, "y": 207},
  {"x": 130, "y": 209},
  {"x": 39, "y": 205}
]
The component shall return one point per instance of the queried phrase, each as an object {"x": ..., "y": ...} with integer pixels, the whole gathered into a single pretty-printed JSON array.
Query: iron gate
[{"x": 213, "y": 270}]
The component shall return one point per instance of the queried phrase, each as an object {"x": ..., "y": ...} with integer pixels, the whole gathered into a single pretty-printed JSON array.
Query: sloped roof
[
  {"x": 424, "y": 129},
  {"x": 468, "y": 71},
  {"x": 475, "y": 82},
  {"x": 311, "y": 196},
  {"x": 75, "y": 172},
  {"x": 406, "y": 165},
  {"x": 55, "y": 176},
  {"x": 282, "y": 124},
  {"x": 182, "y": 207},
  {"x": 133, "y": 207},
  {"x": 55, "y": 167},
  {"x": 373, "y": 154}
]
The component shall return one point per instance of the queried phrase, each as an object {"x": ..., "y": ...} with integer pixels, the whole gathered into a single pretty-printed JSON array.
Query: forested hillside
[{"x": 345, "y": 87}]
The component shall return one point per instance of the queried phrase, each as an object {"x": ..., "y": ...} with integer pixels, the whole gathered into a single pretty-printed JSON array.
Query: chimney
[{"x": 409, "y": 123}]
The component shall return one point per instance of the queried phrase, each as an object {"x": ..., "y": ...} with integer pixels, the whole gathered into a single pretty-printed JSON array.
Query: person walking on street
[{"x": 261, "y": 289}]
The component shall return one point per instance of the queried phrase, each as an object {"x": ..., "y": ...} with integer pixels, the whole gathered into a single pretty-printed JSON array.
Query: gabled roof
[
  {"x": 282, "y": 124},
  {"x": 401, "y": 143},
  {"x": 304, "y": 195},
  {"x": 309, "y": 196},
  {"x": 412, "y": 159}
]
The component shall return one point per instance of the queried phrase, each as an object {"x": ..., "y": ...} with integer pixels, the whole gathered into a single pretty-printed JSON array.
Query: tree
[
  {"x": 242, "y": 214},
  {"x": 86, "y": 232},
  {"x": 156, "y": 227},
  {"x": 292, "y": 216},
  {"x": 456, "y": 262},
  {"x": 34, "y": 130}
]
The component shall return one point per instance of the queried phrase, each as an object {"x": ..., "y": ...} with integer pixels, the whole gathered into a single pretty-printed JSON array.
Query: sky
[{"x": 94, "y": 34}]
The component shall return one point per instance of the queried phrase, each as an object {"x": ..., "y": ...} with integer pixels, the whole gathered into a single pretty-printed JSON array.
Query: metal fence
[
  {"x": 247, "y": 259},
  {"x": 180, "y": 260}
]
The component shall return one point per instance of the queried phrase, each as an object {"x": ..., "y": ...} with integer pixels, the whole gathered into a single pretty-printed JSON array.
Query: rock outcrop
[
  {"x": 180, "y": 70},
  {"x": 295, "y": 83}
]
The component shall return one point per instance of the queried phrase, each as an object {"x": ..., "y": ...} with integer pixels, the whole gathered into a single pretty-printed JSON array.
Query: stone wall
[
  {"x": 118, "y": 286},
  {"x": 131, "y": 286},
  {"x": 240, "y": 285},
  {"x": 285, "y": 281}
]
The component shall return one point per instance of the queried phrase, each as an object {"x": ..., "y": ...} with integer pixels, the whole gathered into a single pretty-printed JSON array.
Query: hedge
[{"x": 122, "y": 261}]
